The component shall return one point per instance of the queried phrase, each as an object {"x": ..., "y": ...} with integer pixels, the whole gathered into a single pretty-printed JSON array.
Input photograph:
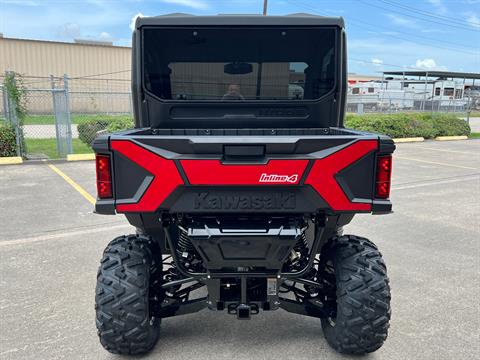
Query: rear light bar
[
  {"x": 104, "y": 176},
  {"x": 384, "y": 173}
]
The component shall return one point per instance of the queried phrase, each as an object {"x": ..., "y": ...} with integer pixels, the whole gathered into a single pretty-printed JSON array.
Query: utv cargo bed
[{"x": 274, "y": 170}]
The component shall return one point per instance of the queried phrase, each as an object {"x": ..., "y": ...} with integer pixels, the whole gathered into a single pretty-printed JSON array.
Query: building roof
[
  {"x": 93, "y": 42},
  {"x": 363, "y": 77},
  {"x": 76, "y": 42},
  {"x": 180, "y": 19},
  {"x": 434, "y": 73}
]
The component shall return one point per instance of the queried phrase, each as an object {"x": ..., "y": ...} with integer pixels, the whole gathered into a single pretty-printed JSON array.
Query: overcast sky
[{"x": 382, "y": 34}]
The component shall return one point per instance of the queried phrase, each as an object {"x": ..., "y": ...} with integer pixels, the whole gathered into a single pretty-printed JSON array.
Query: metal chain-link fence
[
  {"x": 46, "y": 124},
  {"x": 372, "y": 98},
  {"x": 12, "y": 133},
  {"x": 63, "y": 115},
  {"x": 3, "y": 106}
]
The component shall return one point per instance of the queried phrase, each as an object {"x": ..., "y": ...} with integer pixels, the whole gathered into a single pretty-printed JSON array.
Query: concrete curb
[
  {"x": 11, "y": 160},
  {"x": 449, "y": 138},
  {"x": 80, "y": 157},
  {"x": 412, "y": 139}
]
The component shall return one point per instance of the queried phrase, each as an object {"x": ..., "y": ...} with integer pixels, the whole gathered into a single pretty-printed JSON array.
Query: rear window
[{"x": 234, "y": 64}]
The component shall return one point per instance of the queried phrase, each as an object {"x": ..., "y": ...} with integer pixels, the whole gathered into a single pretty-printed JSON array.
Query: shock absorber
[
  {"x": 302, "y": 248},
  {"x": 185, "y": 245},
  {"x": 302, "y": 245},
  {"x": 299, "y": 255},
  {"x": 185, "y": 250}
]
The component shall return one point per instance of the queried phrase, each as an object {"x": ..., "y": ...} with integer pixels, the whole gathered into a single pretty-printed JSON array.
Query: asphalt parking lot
[{"x": 51, "y": 243}]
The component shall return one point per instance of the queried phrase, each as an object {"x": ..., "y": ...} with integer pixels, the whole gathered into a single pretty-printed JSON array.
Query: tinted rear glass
[{"x": 234, "y": 64}]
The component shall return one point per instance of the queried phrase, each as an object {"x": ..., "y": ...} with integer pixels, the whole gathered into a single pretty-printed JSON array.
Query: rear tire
[
  {"x": 122, "y": 300},
  {"x": 360, "y": 318}
]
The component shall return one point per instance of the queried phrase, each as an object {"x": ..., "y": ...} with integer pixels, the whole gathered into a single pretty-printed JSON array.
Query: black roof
[
  {"x": 180, "y": 19},
  {"x": 433, "y": 73}
]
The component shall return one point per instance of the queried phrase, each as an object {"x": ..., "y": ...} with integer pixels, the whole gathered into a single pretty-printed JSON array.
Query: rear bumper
[{"x": 302, "y": 200}]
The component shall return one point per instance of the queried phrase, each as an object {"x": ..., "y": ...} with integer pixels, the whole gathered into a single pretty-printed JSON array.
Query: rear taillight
[
  {"x": 384, "y": 173},
  {"x": 104, "y": 177}
]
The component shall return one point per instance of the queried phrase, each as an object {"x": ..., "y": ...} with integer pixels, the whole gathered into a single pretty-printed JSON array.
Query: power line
[
  {"x": 426, "y": 13},
  {"x": 417, "y": 17},
  {"x": 423, "y": 43},
  {"x": 376, "y": 27},
  {"x": 415, "y": 35}
]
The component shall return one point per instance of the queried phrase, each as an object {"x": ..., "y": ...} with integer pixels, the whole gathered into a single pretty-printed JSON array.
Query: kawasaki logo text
[{"x": 205, "y": 200}]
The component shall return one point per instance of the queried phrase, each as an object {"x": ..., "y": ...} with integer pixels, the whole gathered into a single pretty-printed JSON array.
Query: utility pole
[{"x": 265, "y": 5}]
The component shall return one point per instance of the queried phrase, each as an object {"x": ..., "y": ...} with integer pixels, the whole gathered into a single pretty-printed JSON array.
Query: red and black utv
[{"x": 239, "y": 177}]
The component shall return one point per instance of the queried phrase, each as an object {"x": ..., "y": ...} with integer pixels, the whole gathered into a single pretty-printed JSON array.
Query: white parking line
[
  {"x": 436, "y": 182},
  {"x": 436, "y": 163},
  {"x": 61, "y": 235},
  {"x": 450, "y": 151}
]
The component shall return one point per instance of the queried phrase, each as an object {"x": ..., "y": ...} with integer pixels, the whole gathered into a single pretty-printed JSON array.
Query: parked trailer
[{"x": 394, "y": 94}]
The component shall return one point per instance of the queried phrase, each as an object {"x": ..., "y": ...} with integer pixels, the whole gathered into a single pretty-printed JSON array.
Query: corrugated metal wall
[
  {"x": 43, "y": 58},
  {"x": 100, "y": 74}
]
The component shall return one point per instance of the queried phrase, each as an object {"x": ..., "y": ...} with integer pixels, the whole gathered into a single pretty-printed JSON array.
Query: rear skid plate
[{"x": 226, "y": 247}]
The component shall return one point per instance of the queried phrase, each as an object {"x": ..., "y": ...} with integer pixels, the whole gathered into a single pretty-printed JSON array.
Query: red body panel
[
  {"x": 322, "y": 175},
  {"x": 166, "y": 176},
  {"x": 274, "y": 172}
]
